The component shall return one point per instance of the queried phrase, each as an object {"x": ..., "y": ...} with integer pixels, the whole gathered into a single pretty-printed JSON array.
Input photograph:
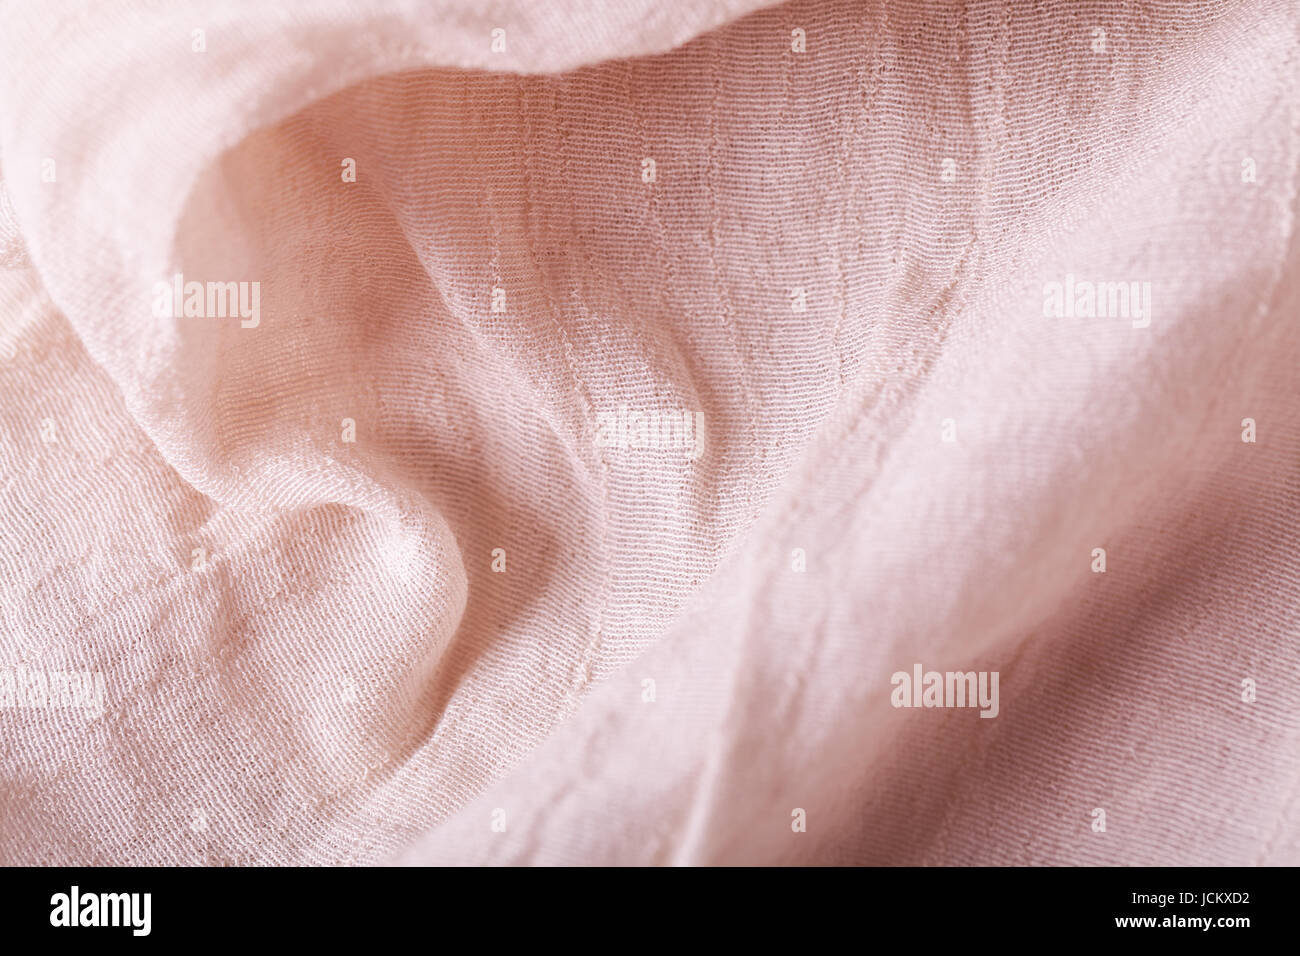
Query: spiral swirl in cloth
[{"x": 551, "y": 432}]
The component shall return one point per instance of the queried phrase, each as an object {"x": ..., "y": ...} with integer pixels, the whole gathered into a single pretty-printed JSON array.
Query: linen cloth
[{"x": 475, "y": 629}]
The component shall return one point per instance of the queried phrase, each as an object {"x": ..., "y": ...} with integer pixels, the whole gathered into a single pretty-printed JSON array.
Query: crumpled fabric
[{"x": 634, "y": 388}]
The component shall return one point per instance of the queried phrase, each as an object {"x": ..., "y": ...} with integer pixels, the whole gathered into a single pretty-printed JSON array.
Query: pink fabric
[{"x": 502, "y": 624}]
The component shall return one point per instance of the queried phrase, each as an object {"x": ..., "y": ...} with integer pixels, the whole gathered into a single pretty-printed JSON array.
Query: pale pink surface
[{"x": 335, "y": 567}]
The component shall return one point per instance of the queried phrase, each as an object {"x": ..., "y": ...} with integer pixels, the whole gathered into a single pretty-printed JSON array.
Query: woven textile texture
[{"x": 538, "y": 431}]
